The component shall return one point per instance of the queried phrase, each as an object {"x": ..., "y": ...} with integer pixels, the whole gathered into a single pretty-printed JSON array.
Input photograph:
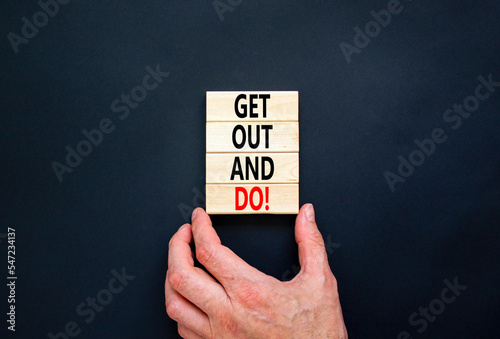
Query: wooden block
[
  {"x": 278, "y": 106},
  {"x": 265, "y": 137},
  {"x": 227, "y": 168},
  {"x": 252, "y": 160},
  {"x": 260, "y": 199}
]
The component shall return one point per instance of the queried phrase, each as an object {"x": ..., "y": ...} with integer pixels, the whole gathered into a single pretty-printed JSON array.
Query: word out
[
  {"x": 256, "y": 138},
  {"x": 252, "y": 152}
]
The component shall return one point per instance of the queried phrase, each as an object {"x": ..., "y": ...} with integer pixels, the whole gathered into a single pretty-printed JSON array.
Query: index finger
[
  {"x": 228, "y": 268},
  {"x": 183, "y": 277}
]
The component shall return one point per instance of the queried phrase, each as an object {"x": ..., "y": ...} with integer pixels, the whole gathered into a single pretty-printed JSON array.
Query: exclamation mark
[{"x": 267, "y": 198}]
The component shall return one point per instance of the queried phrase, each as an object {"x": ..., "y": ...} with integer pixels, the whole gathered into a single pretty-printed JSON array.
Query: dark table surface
[{"x": 363, "y": 103}]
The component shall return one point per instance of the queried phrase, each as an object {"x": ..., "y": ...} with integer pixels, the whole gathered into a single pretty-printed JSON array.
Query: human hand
[{"x": 244, "y": 302}]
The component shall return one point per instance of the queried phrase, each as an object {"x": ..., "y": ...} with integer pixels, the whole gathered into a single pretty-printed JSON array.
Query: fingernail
[
  {"x": 194, "y": 214},
  {"x": 180, "y": 228},
  {"x": 310, "y": 213}
]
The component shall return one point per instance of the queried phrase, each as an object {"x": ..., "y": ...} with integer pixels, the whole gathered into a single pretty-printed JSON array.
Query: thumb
[{"x": 312, "y": 253}]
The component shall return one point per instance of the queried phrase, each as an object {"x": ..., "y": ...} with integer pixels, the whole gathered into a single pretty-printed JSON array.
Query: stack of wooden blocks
[{"x": 252, "y": 159}]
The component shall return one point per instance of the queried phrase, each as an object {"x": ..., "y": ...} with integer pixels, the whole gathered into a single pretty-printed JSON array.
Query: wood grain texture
[
  {"x": 283, "y": 199},
  {"x": 219, "y": 167},
  {"x": 281, "y": 106},
  {"x": 283, "y": 137}
]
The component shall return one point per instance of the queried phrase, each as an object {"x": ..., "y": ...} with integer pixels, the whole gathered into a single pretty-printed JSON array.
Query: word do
[{"x": 249, "y": 198}]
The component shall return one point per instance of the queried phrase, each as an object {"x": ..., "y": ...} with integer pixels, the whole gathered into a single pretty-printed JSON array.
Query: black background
[{"x": 119, "y": 208}]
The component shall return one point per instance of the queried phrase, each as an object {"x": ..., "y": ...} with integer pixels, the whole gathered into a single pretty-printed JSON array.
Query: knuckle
[
  {"x": 204, "y": 254},
  {"x": 330, "y": 277},
  {"x": 228, "y": 324},
  {"x": 250, "y": 296},
  {"x": 177, "y": 279},
  {"x": 331, "y": 283},
  {"x": 321, "y": 278},
  {"x": 317, "y": 239},
  {"x": 330, "y": 286},
  {"x": 182, "y": 331},
  {"x": 173, "y": 308}
]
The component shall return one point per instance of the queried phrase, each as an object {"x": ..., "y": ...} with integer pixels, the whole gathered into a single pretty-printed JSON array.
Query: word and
[
  {"x": 88, "y": 308},
  {"x": 436, "y": 307},
  {"x": 11, "y": 278},
  {"x": 253, "y": 168},
  {"x": 29, "y": 30},
  {"x": 93, "y": 138},
  {"x": 455, "y": 118}
]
